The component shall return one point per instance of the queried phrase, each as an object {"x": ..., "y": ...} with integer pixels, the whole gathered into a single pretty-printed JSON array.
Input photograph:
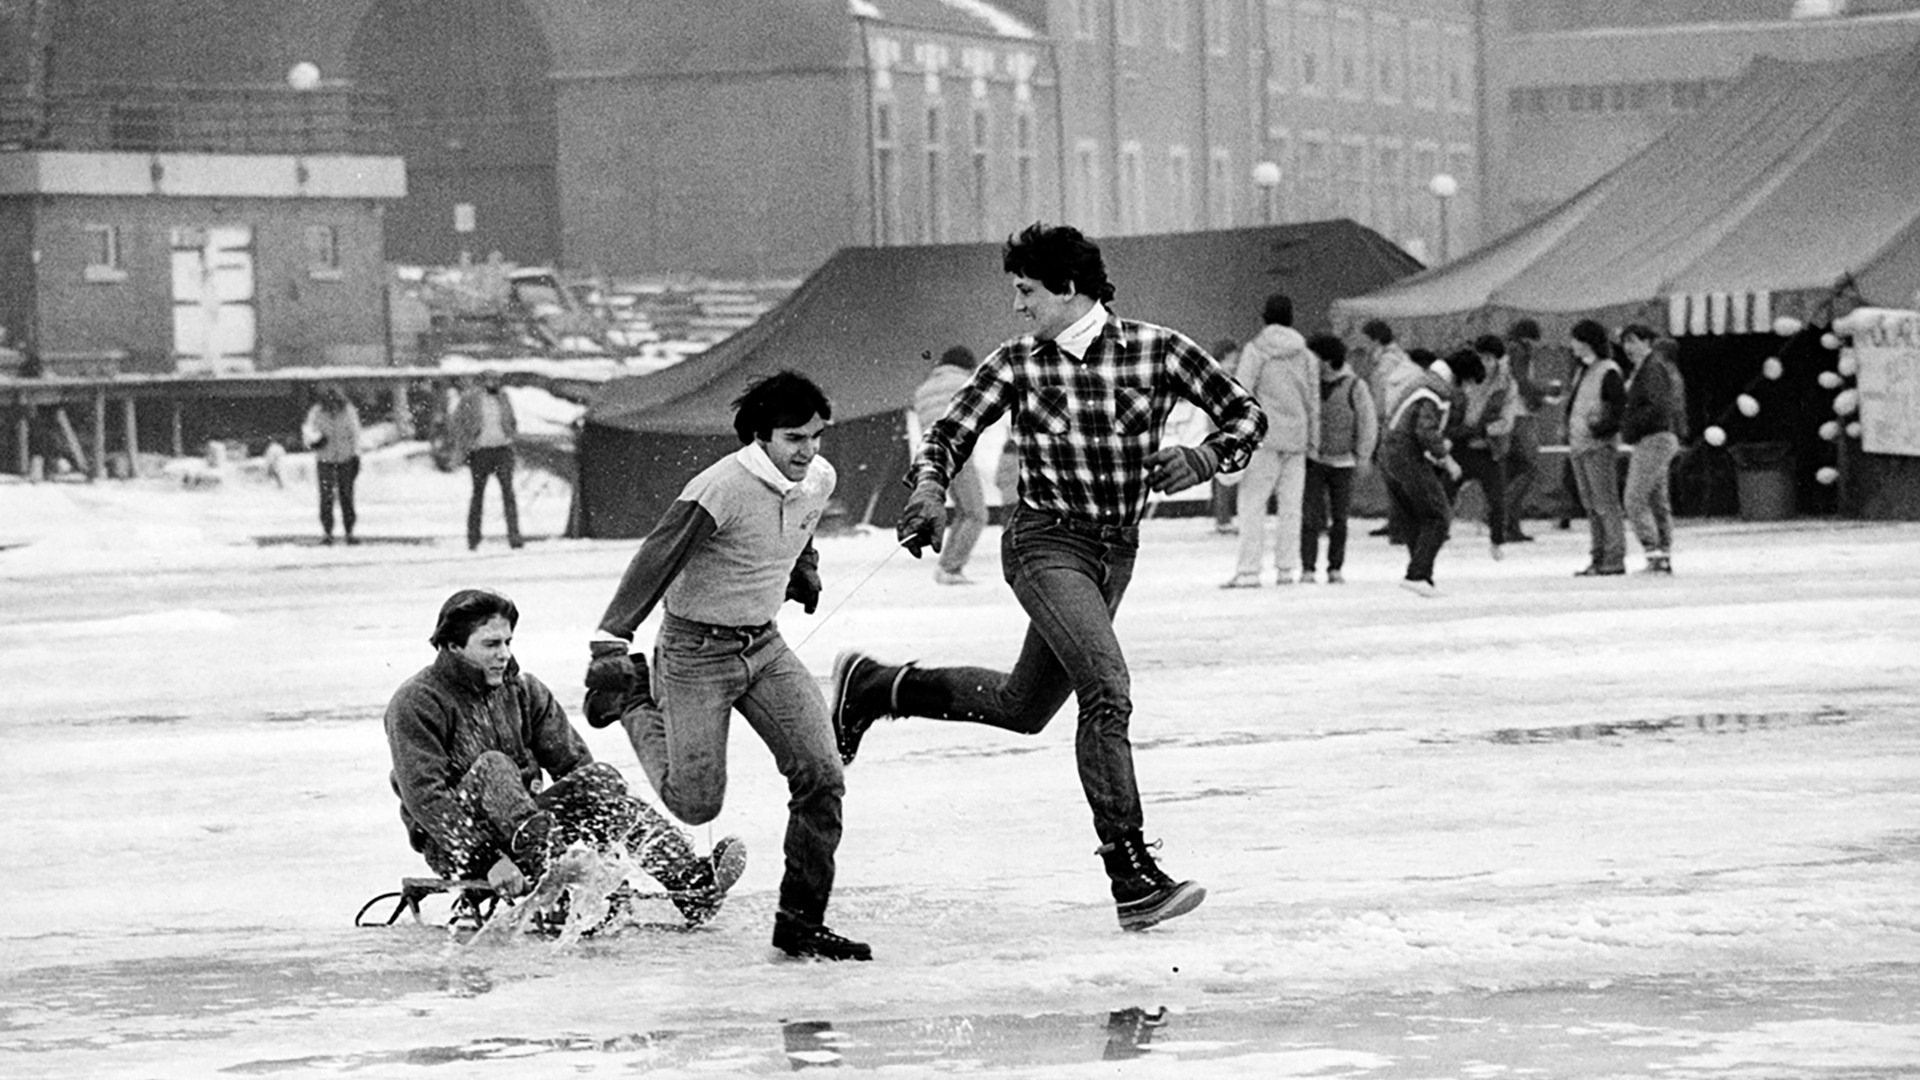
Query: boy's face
[
  {"x": 791, "y": 449},
  {"x": 489, "y": 648},
  {"x": 1050, "y": 311}
]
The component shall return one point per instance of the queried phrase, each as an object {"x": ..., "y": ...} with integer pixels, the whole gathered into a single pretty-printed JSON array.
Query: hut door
[{"x": 214, "y": 327}]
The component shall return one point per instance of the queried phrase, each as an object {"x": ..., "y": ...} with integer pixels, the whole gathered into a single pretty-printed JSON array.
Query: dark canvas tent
[
  {"x": 1796, "y": 192},
  {"x": 860, "y": 326},
  {"x": 1797, "y": 176}
]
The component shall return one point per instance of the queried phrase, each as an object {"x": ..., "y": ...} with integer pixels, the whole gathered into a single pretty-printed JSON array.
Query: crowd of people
[
  {"x": 1290, "y": 420},
  {"x": 1431, "y": 424}
]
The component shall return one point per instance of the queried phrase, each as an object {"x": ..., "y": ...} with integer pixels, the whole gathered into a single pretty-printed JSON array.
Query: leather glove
[
  {"x": 803, "y": 584},
  {"x": 924, "y": 522},
  {"x": 1177, "y": 468},
  {"x": 611, "y": 668}
]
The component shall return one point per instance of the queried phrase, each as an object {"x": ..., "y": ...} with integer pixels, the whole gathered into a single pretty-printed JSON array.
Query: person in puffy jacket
[{"x": 1279, "y": 371}]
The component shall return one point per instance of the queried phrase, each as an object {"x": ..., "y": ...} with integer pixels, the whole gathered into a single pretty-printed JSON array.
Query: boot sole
[
  {"x": 1185, "y": 898},
  {"x": 843, "y": 667}
]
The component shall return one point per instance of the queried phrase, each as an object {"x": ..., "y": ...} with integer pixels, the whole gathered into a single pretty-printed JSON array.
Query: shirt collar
[
  {"x": 757, "y": 463},
  {"x": 1079, "y": 335}
]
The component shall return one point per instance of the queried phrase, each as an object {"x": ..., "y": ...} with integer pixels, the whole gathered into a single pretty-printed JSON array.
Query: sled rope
[{"x": 857, "y": 586}]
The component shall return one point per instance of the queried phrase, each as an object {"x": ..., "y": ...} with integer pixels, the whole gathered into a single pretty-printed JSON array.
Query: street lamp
[
  {"x": 1266, "y": 177},
  {"x": 1443, "y": 187}
]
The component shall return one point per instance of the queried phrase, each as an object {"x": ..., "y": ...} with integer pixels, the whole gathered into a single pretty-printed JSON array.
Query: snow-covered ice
[{"x": 1538, "y": 826}]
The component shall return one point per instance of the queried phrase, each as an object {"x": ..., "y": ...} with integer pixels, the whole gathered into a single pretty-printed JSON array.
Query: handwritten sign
[{"x": 1887, "y": 344}]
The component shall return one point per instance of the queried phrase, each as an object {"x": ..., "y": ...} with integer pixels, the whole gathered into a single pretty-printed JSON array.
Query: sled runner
[{"x": 477, "y": 905}]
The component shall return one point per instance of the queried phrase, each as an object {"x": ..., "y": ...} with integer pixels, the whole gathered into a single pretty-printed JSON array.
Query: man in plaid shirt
[{"x": 1089, "y": 395}]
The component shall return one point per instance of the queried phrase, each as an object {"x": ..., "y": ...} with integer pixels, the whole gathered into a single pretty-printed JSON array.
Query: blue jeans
[
  {"x": 1648, "y": 502},
  {"x": 701, "y": 674},
  {"x": 1597, "y": 474},
  {"x": 1069, "y": 575}
]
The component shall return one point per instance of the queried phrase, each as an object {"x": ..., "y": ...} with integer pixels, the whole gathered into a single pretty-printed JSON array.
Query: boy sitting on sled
[{"x": 471, "y": 735}]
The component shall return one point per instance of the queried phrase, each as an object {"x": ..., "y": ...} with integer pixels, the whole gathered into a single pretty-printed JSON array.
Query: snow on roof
[{"x": 964, "y": 16}]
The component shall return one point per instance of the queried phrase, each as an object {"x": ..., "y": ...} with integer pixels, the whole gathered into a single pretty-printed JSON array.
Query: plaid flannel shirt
[{"x": 1085, "y": 427}]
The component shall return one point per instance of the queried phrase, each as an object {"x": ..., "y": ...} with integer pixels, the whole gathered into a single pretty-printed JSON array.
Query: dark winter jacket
[
  {"x": 1649, "y": 408},
  {"x": 443, "y": 718}
]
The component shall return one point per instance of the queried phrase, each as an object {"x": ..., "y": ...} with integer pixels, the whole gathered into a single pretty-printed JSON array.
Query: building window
[
  {"x": 1085, "y": 16},
  {"x": 1390, "y": 187},
  {"x": 1389, "y": 59},
  {"x": 981, "y": 172},
  {"x": 1086, "y": 157},
  {"x": 103, "y": 254},
  {"x": 1350, "y": 53},
  {"x": 1458, "y": 74},
  {"x": 1354, "y": 180},
  {"x": 323, "y": 252},
  {"x": 1180, "y": 184},
  {"x": 1133, "y": 190},
  {"x": 1220, "y": 188},
  {"x": 1527, "y": 99},
  {"x": 1279, "y": 22},
  {"x": 1316, "y": 166},
  {"x": 1689, "y": 96},
  {"x": 1176, "y": 13},
  {"x": 886, "y": 174},
  {"x": 1024, "y": 179},
  {"x": 1126, "y": 14},
  {"x": 1584, "y": 99},
  {"x": 1313, "y": 49},
  {"x": 1219, "y": 28},
  {"x": 1423, "y": 60},
  {"x": 934, "y": 227}
]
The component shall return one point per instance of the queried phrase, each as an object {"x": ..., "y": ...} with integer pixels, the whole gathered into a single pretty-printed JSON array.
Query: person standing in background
[
  {"x": 1284, "y": 377},
  {"x": 1225, "y": 502},
  {"x": 1651, "y": 425},
  {"x": 1348, "y": 430},
  {"x": 1523, "y": 445},
  {"x": 969, "y": 514},
  {"x": 332, "y": 432},
  {"x": 1594, "y": 404},
  {"x": 1413, "y": 458},
  {"x": 483, "y": 431}
]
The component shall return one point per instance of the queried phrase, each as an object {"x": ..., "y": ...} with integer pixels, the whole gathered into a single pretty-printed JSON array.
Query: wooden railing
[{"x": 218, "y": 119}]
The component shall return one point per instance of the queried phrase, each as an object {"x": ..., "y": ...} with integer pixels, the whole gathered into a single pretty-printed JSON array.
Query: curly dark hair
[
  {"x": 1058, "y": 257},
  {"x": 782, "y": 399}
]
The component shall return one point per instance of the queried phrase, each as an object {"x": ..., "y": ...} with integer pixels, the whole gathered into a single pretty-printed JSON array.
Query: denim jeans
[
  {"x": 497, "y": 462},
  {"x": 701, "y": 674},
  {"x": 1597, "y": 474},
  {"x": 1648, "y": 501},
  {"x": 1069, "y": 575},
  {"x": 336, "y": 482},
  {"x": 590, "y": 803},
  {"x": 1329, "y": 499}
]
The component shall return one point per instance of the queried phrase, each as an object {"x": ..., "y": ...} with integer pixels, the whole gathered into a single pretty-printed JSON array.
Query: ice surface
[{"x": 1547, "y": 825}]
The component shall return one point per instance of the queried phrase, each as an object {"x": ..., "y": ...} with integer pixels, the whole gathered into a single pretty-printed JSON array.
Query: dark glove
[
  {"x": 1177, "y": 468},
  {"x": 924, "y": 521},
  {"x": 803, "y": 585},
  {"x": 616, "y": 682},
  {"x": 611, "y": 668}
]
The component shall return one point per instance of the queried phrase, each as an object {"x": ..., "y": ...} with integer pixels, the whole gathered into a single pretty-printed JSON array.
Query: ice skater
[
  {"x": 723, "y": 557},
  {"x": 1089, "y": 394},
  {"x": 471, "y": 735},
  {"x": 1413, "y": 457}
]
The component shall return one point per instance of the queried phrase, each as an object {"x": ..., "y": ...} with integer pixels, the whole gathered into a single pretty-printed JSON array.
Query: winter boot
[
  {"x": 805, "y": 940},
  {"x": 1142, "y": 894},
  {"x": 696, "y": 885},
  {"x": 531, "y": 844},
  {"x": 864, "y": 690}
]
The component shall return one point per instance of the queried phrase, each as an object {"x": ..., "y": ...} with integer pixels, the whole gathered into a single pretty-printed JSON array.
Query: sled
[{"x": 476, "y": 902}]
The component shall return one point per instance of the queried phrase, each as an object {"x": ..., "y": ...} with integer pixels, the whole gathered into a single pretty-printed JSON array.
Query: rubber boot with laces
[
  {"x": 694, "y": 883},
  {"x": 1143, "y": 895},
  {"x": 804, "y": 939},
  {"x": 864, "y": 690}
]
